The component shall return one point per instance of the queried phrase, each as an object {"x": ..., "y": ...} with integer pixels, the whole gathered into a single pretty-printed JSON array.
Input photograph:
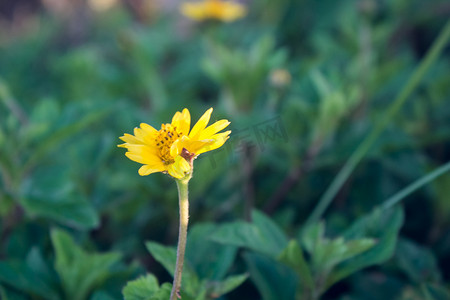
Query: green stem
[
  {"x": 12, "y": 104},
  {"x": 415, "y": 186},
  {"x": 365, "y": 146},
  {"x": 182, "y": 185}
]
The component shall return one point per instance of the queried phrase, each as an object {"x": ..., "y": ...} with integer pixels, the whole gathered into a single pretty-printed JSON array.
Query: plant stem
[
  {"x": 365, "y": 146},
  {"x": 182, "y": 185},
  {"x": 15, "y": 108},
  {"x": 415, "y": 186}
]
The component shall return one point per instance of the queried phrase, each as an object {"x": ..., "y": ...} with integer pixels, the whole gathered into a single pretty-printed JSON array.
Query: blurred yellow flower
[
  {"x": 172, "y": 148},
  {"x": 213, "y": 9},
  {"x": 102, "y": 5}
]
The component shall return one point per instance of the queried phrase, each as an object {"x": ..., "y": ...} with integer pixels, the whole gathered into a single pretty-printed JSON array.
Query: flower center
[{"x": 164, "y": 140}]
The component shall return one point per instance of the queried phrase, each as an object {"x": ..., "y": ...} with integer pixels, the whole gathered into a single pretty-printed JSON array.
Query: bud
[{"x": 280, "y": 78}]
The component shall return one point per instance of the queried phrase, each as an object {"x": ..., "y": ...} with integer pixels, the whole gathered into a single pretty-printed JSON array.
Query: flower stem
[{"x": 182, "y": 185}]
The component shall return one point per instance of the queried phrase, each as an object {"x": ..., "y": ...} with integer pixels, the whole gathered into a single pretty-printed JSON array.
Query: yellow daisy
[
  {"x": 213, "y": 9},
  {"x": 173, "y": 148}
]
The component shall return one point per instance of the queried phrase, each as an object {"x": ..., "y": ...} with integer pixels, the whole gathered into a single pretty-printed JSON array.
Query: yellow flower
[
  {"x": 172, "y": 148},
  {"x": 213, "y": 9}
]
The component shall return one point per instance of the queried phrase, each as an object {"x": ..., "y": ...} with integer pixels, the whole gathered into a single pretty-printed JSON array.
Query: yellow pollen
[{"x": 164, "y": 140}]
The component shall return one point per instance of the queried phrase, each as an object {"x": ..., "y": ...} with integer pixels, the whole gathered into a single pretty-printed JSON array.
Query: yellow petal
[
  {"x": 175, "y": 148},
  {"x": 138, "y": 133},
  {"x": 143, "y": 157},
  {"x": 131, "y": 139},
  {"x": 201, "y": 124},
  {"x": 182, "y": 121},
  {"x": 213, "y": 129},
  {"x": 143, "y": 150},
  {"x": 218, "y": 140},
  {"x": 175, "y": 119},
  {"x": 195, "y": 11},
  {"x": 193, "y": 146},
  {"x": 148, "y": 169},
  {"x": 230, "y": 12},
  {"x": 196, "y": 146},
  {"x": 186, "y": 124},
  {"x": 148, "y": 129}
]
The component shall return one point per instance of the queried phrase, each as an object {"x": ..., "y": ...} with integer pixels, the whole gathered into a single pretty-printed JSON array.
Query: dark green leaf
[
  {"x": 383, "y": 226},
  {"x": 100, "y": 295},
  {"x": 49, "y": 193},
  {"x": 274, "y": 233},
  {"x": 47, "y": 145},
  {"x": 417, "y": 262},
  {"x": 273, "y": 280},
  {"x": 220, "y": 288},
  {"x": 8, "y": 294},
  {"x": 72, "y": 210},
  {"x": 210, "y": 259},
  {"x": 263, "y": 235},
  {"x": 18, "y": 275}
]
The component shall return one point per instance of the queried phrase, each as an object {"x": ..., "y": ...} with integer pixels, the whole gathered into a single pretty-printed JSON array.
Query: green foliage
[
  {"x": 293, "y": 257},
  {"x": 417, "y": 262},
  {"x": 80, "y": 272},
  {"x": 210, "y": 260},
  {"x": 19, "y": 275},
  {"x": 359, "y": 78},
  {"x": 243, "y": 73},
  {"x": 381, "y": 225},
  {"x": 262, "y": 235},
  {"x": 167, "y": 256},
  {"x": 196, "y": 286},
  {"x": 371, "y": 240},
  {"x": 273, "y": 280},
  {"x": 146, "y": 288}
]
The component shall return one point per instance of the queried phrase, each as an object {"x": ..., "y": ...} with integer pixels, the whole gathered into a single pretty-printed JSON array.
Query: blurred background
[{"x": 303, "y": 83}]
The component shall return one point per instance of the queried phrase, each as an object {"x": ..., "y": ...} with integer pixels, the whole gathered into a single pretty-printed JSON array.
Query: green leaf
[
  {"x": 49, "y": 193},
  {"x": 292, "y": 256},
  {"x": 273, "y": 280},
  {"x": 331, "y": 252},
  {"x": 142, "y": 288},
  {"x": 355, "y": 247},
  {"x": 220, "y": 288},
  {"x": 38, "y": 265},
  {"x": 18, "y": 275},
  {"x": 73, "y": 211},
  {"x": 47, "y": 145},
  {"x": 383, "y": 226},
  {"x": 164, "y": 292},
  {"x": 80, "y": 272},
  {"x": 209, "y": 259},
  {"x": 167, "y": 256},
  {"x": 269, "y": 228},
  {"x": 263, "y": 235},
  {"x": 312, "y": 235},
  {"x": 417, "y": 262},
  {"x": 8, "y": 294},
  {"x": 100, "y": 295}
]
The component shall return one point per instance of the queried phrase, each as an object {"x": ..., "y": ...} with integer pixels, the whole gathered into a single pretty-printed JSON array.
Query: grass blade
[{"x": 364, "y": 147}]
